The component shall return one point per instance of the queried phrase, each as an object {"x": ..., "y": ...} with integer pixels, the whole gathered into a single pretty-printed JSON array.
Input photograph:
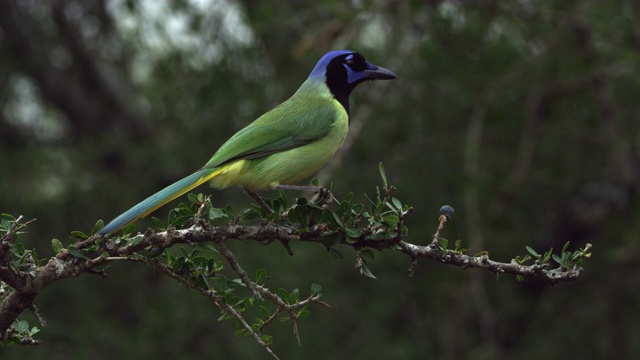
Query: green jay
[{"x": 285, "y": 145}]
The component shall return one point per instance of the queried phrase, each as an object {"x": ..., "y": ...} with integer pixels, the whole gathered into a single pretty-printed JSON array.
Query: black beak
[{"x": 378, "y": 73}]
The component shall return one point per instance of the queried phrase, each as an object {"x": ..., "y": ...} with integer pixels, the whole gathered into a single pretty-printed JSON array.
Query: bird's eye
[{"x": 349, "y": 61}]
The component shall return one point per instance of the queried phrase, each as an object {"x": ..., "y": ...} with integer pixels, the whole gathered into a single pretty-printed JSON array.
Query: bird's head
[{"x": 343, "y": 70}]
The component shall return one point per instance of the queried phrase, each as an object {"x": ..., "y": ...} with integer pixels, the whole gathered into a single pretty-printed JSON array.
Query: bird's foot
[
  {"x": 322, "y": 197},
  {"x": 259, "y": 200}
]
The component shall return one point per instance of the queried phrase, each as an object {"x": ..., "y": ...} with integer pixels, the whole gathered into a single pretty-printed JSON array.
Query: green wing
[{"x": 296, "y": 122}]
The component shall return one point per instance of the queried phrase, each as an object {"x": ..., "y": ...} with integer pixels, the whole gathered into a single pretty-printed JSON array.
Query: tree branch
[{"x": 384, "y": 229}]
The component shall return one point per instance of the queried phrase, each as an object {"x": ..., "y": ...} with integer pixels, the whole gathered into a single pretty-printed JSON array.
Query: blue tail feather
[{"x": 156, "y": 200}]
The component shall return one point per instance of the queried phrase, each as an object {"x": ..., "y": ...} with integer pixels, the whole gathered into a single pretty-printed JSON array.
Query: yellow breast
[{"x": 289, "y": 166}]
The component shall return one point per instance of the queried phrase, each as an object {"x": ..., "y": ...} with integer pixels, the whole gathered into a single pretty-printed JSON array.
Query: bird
[{"x": 285, "y": 145}]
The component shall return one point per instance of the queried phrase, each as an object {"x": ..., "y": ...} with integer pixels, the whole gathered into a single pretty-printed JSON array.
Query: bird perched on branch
[{"x": 285, "y": 145}]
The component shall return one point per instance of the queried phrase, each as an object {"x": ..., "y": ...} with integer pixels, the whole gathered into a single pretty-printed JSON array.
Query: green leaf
[
  {"x": 368, "y": 253},
  {"x": 157, "y": 223},
  {"x": 205, "y": 280},
  {"x": 79, "y": 235},
  {"x": 337, "y": 219},
  {"x": 330, "y": 238},
  {"x": 8, "y": 216},
  {"x": 565, "y": 247},
  {"x": 382, "y": 174},
  {"x": 76, "y": 252},
  {"x": 193, "y": 198},
  {"x": 405, "y": 230},
  {"x": 522, "y": 260},
  {"x": 136, "y": 240},
  {"x": 344, "y": 207},
  {"x": 301, "y": 201},
  {"x": 443, "y": 243},
  {"x": 390, "y": 235},
  {"x": 315, "y": 289},
  {"x": 397, "y": 203},
  {"x": 99, "y": 225},
  {"x": 575, "y": 255},
  {"x": 558, "y": 259},
  {"x": 380, "y": 235},
  {"x": 207, "y": 245},
  {"x": 248, "y": 214},
  {"x": 532, "y": 252},
  {"x": 267, "y": 339},
  {"x": 223, "y": 316},
  {"x": 295, "y": 215},
  {"x": 282, "y": 196},
  {"x": 352, "y": 240},
  {"x": 22, "y": 326},
  {"x": 336, "y": 253},
  {"x": 215, "y": 213},
  {"x": 183, "y": 250},
  {"x": 364, "y": 270},
  {"x": 261, "y": 276},
  {"x": 353, "y": 232},
  {"x": 304, "y": 313},
  {"x": 391, "y": 220},
  {"x": 357, "y": 208},
  {"x": 378, "y": 208},
  {"x": 129, "y": 229},
  {"x": 349, "y": 196},
  {"x": 57, "y": 246},
  {"x": 284, "y": 295},
  {"x": 264, "y": 311},
  {"x": 295, "y": 296}
]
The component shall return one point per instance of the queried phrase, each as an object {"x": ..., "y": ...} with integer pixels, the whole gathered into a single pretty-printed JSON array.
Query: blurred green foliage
[{"x": 521, "y": 115}]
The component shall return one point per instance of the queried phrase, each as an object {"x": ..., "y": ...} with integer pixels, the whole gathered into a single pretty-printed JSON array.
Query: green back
[{"x": 307, "y": 116}]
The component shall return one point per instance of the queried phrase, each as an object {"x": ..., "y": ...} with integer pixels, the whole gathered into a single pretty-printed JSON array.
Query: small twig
[
  {"x": 15, "y": 223},
  {"x": 387, "y": 193},
  {"x": 442, "y": 220},
  {"x": 202, "y": 207},
  {"x": 231, "y": 259},
  {"x": 210, "y": 294},
  {"x": 296, "y": 333},
  {"x": 260, "y": 292},
  {"x": 237, "y": 315},
  {"x": 9, "y": 237},
  {"x": 16, "y": 226},
  {"x": 273, "y": 316},
  {"x": 413, "y": 265},
  {"x": 36, "y": 314},
  {"x": 120, "y": 258},
  {"x": 285, "y": 243},
  {"x": 291, "y": 309},
  {"x": 534, "y": 272}
]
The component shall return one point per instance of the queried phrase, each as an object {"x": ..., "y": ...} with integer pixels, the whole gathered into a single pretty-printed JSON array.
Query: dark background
[{"x": 521, "y": 115}]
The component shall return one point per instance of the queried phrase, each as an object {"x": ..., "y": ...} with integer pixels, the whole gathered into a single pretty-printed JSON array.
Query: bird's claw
[{"x": 322, "y": 197}]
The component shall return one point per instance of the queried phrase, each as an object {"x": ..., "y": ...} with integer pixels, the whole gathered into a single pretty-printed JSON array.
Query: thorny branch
[{"x": 25, "y": 282}]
